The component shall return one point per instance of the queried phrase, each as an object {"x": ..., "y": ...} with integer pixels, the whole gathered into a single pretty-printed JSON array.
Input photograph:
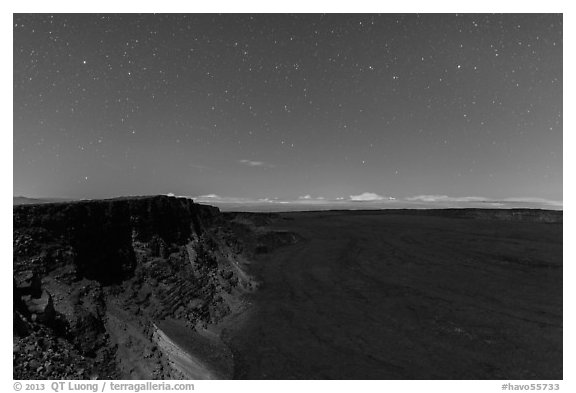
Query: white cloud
[
  {"x": 217, "y": 199},
  {"x": 309, "y": 199},
  {"x": 209, "y": 196},
  {"x": 445, "y": 198},
  {"x": 366, "y": 197},
  {"x": 252, "y": 163},
  {"x": 373, "y": 200},
  {"x": 486, "y": 202},
  {"x": 542, "y": 201}
]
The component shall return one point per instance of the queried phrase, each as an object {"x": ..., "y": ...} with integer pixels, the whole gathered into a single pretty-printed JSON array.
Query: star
[{"x": 299, "y": 91}]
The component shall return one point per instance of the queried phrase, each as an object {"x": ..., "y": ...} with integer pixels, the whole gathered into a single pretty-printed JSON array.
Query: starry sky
[{"x": 303, "y": 108}]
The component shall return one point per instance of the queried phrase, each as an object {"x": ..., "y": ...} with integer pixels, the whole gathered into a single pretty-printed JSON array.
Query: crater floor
[{"x": 372, "y": 295}]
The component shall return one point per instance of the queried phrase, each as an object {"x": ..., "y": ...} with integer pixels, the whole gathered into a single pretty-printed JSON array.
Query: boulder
[
  {"x": 28, "y": 283},
  {"x": 42, "y": 306}
]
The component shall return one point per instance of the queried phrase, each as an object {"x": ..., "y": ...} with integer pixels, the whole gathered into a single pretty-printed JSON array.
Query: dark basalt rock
[
  {"x": 42, "y": 306},
  {"x": 27, "y": 283},
  {"x": 92, "y": 277},
  {"x": 99, "y": 234}
]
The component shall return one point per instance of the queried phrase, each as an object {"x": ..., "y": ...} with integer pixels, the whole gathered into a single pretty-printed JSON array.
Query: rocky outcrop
[
  {"x": 97, "y": 236},
  {"x": 77, "y": 263}
]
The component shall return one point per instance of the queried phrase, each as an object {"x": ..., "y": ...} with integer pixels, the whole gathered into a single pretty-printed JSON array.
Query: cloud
[
  {"x": 372, "y": 200},
  {"x": 252, "y": 163},
  {"x": 214, "y": 198},
  {"x": 209, "y": 196},
  {"x": 310, "y": 200},
  {"x": 445, "y": 198},
  {"x": 367, "y": 197},
  {"x": 308, "y": 197},
  {"x": 535, "y": 201},
  {"x": 476, "y": 201}
]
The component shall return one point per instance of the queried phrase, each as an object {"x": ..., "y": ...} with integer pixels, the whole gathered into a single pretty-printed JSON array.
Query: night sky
[{"x": 304, "y": 108}]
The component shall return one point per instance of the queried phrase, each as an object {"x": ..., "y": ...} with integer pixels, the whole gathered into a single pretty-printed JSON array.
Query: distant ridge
[{"x": 21, "y": 200}]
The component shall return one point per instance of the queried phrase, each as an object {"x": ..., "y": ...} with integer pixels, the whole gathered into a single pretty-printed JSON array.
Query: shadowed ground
[{"x": 384, "y": 296}]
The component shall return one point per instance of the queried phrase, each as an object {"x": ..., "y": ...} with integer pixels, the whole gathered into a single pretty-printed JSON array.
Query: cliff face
[
  {"x": 92, "y": 277},
  {"x": 99, "y": 234}
]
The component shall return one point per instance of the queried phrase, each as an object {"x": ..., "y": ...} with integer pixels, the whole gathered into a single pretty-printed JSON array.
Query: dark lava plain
[{"x": 368, "y": 295}]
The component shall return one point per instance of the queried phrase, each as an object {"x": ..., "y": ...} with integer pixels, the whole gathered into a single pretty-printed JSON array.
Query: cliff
[
  {"x": 99, "y": 235},
  {"x": 91, "y": 278}
]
